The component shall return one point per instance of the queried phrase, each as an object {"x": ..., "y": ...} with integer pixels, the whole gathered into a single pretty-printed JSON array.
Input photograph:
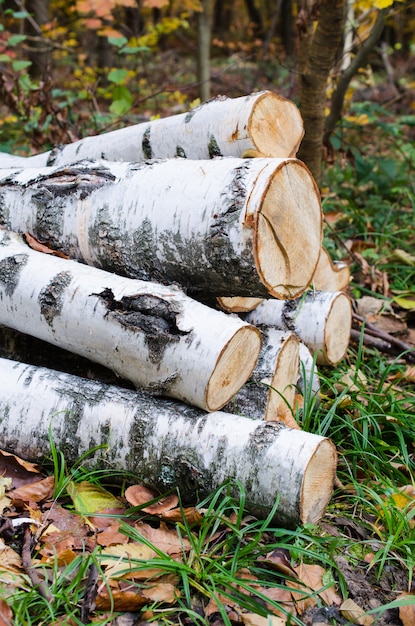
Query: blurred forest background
[{"x": 71, "y": 69}]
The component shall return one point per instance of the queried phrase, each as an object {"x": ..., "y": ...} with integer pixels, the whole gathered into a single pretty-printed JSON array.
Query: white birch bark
[
  {"x": 152, "y": 335},
  {"x": 322, "y": 320},
  {"x": 248, "y": 227},
  {"x": 261, "y": 124},
  {"x": 330, "y": 275},
  {"x": 308, "y": 383},
  {"x": 166, "y": 443},
  {"x": 270, "y": 392}
]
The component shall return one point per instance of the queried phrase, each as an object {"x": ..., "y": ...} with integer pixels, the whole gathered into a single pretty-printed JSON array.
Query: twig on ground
[
  {"x": 91, "y": 589},
  {"x": 381, "y": 340},
  {"x": 30, "y": 570}
]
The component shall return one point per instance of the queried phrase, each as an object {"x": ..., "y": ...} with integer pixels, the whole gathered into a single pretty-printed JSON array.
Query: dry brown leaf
[
  {"x": 33, "y": 243},
  {"x": 355, "y": 614},
  {"x": 11, "y": 569},
  {"x": 124, "y": 599},
  {"x": 280, "y": 595},
  {"x": 6, "y": 614},
  {"x": 252, "y": 619},
  {"x": 137, "y": 495},
  {"x": 110, "y": 534},
  {"x": 33, "y": 492},
  {"x": 21, "y": 472},
  {"x": 407, "y": 612},
  {"x": 191, "y": 514},
  {"x": 162, "y": 592},
  {"x": 122, "y": 560},
  {"x": 164, "y": 539},
  {"x": 312, "y": 578},
  {"x": 408, "y": 375},
  {"x": 279, "y": 561}
]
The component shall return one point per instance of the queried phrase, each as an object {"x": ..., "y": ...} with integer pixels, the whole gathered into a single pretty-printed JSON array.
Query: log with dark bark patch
[
  {"x": 263, "y": 123},
  {"x": 225, "y": 227},
  {"x": 166, "y": 443},
  {"x": 152, "y": 335}
]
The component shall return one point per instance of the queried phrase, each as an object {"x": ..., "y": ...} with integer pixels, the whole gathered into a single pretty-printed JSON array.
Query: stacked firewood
[{"x": 195, "y": 274}]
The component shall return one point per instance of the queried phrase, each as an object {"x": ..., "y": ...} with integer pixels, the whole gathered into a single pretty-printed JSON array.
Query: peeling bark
[
  {"x": 322, "y": 320},
  {"x": 264, "y": 123},
  {"x": 166, "y": 443},
  {"x": 152, "y": 335},
  {"x": 224, "y": 227}
]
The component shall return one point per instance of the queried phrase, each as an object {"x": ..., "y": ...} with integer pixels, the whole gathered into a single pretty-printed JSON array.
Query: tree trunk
[
  {"x": 269, "y": 394},
  {"x": 322, "y": 320},
  {"x": 204, "y": 20},
  {"x": 152, "y": 335},
  {"x": 326, "y": 44},
  {"x": 223, "y": 227},
  {"x": 166, "y": 443},
  {"x": 264, "y": 122}
]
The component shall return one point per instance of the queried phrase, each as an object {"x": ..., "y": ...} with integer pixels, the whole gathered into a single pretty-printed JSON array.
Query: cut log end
[
  {"x": 318, "y": 482},
  {"x": 337, "y": 331},
  {"x": 238, "y": 304},
  {"x": 289, "y": 231},
  {"x": 234, "y": 367},
  {"x": 330, "y": 275},
  {"x": 282, "y": 393},
  {"x": 276, "y": 126}
]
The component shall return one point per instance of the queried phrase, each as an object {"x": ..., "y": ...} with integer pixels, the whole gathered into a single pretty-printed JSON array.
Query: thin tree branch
[{"x": 346, "y": 77}]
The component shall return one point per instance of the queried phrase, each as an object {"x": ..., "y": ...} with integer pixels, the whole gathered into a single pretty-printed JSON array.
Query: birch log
[
  {"x": 269, "y": 394},
  {"x": 249, "y": 227},
  {"x": 330, "y": 275},
  {"x": 166, "y": 443},
  {"x": 153, "y": 335},
  {"x": 322, "y": 320},
  {"x": 260, "y": 124}
]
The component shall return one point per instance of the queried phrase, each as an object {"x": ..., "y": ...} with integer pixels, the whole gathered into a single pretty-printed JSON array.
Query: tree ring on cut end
[
  {"x": 288, "y": 231},
  {"x": 233, "y": 367},
  {"x": 318, "y": 482},
  {"x": 337, "y": 330},
  {"x": 276, "y": 126}
]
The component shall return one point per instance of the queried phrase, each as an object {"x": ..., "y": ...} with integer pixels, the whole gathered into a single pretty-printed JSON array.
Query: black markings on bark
[
  {"x": 10, "y": 269},
  {"x": 51, "y": 297},
  {"x": 180, "y": 152},
  {"x": 151, "y": 314},
  {"x": 78, "y": 178},
  {"x": 146, "y": 144},
  {"x": 54, "y": 154},
  {"x": 213, "y": 148},
  {"x": 289, "y": 313}
]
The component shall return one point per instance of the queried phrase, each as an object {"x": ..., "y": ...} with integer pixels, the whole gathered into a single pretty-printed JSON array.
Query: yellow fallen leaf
[{"x": 89, "y": 498}]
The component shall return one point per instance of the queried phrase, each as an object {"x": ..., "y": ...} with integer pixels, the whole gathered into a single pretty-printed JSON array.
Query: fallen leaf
[
  {"x": 311, "y": 577},
  {"x": 355, "y": 614},
  {"x": 6, "y": 614},
  {"x": 137, "y": 495},
  {"x": 166, "y": 540},
  {"x": 127, "y": 560},
  {"x": 11, "y": 570},
  {"x": 33, "y": 243},
  {"x": 119, "y": 599},
  {"x": 405, "y": 300},
  {"x": 402, "y": 257},
  {"x": 33, "y": 492},
  {"x": 408, "y": 375},
  {"x": 407, "y": 611},
  {"x": 21, "y": 472},
  {"x": 279, "y": 561},
  {"x": 89, "y": 498},
  {"x": 252, "y": 619},
  {"x": 162, "y": 592}
]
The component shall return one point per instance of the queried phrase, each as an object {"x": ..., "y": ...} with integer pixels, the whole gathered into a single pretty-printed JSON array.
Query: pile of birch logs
[{"x": 181, "y": 260}]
